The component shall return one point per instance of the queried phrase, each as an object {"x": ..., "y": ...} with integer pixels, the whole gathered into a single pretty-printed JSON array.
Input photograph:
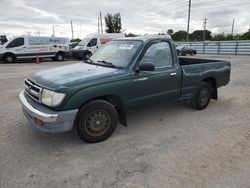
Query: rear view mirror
[{"x": 146, "y": 67}]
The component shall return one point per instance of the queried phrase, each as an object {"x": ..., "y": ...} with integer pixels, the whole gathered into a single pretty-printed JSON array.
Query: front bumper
[
  {"x": 53, "y": 121},
  {"x": 78, "y": 54}
]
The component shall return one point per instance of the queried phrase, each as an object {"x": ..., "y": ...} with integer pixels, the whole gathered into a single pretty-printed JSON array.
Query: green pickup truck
[{"x": 123, "y": 76}]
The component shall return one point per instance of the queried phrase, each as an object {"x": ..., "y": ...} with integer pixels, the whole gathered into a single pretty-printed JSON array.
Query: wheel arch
[
  {"x": 116, "y": 102},
  {"x": 213, "y": 83},
  {"x": 60, "y": 52},
  {"x": 9, "y": 53}
]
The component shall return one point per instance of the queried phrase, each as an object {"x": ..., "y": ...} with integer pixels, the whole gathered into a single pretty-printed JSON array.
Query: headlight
[{"x": 51, "y": 98}]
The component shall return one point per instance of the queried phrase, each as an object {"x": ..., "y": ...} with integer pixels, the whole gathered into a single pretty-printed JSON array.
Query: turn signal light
[{"x": 39, "y": 122}]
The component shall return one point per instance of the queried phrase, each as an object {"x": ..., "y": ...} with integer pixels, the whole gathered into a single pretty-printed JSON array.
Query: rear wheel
[
  {"x": 96, "y": 121},
  {"x": 9, "y": 58},
  {"x": 59, "y": 57},
  {"x": 202, "y": 97}
]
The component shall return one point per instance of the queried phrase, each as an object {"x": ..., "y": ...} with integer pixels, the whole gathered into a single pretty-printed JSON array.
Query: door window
[
  {"x": 93, "y": 42},
  {"x": 16, "y": 42},
  {"x": 159, "y": 54}
]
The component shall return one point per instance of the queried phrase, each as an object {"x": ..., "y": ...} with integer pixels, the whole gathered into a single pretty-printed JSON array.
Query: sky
[{"x": 19, "y": 17}]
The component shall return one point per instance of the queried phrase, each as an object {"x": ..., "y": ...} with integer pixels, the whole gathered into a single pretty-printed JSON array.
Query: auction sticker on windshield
[{"x": 126, "y": 46}]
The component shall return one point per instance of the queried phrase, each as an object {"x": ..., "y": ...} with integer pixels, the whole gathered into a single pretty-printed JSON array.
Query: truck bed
[
  {"x": 195, "y": 70},
  {"x": 193, "y": 61}
]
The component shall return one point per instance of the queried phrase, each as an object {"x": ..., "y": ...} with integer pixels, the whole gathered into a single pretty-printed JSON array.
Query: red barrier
[{"x": 37, "y": 60}]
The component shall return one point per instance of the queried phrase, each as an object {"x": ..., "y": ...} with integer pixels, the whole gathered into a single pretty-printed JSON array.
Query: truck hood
[{"x": 77, "y": 75}]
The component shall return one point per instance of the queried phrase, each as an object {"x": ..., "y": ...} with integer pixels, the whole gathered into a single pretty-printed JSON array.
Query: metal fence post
[
  {"x": 218, "y": 52},
  {"x": 204, "y": 47},
  {"x": 236, "y": 48}
]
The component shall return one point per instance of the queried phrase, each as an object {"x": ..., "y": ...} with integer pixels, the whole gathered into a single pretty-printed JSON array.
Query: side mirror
[{"x": 146, "y": 67}]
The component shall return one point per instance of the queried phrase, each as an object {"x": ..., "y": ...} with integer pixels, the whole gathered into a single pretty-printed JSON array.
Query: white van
[
  {"x": 91, "y": 43},
  {"x": 27, "y": 47}
]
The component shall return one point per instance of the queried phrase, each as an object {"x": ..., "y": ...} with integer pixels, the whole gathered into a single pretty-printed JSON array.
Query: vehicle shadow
[{"x": 137, "y": 121}]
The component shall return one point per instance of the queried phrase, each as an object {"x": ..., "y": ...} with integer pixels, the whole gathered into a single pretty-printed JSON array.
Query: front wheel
[
  {"x": 202, "y": 97},
  {"x": 9, "y": 58},
  {"x": 87, "y": 55},
  {"x": 96, "y": 121}
]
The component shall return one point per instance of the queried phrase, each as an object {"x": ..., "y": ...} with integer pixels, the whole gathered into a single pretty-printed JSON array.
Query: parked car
[
  {"x": 28, "y": 47},
  {"x": 73, "y": 45},
  {"x": 89, "y": 45},
  {"x": 3, "y": 39},
  {"x": 123, "y": 76},
  {"x": 186, "y": 50}
]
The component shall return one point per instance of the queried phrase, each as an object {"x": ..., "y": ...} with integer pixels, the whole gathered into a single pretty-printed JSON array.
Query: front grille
[{"x": 33, "y": 90}]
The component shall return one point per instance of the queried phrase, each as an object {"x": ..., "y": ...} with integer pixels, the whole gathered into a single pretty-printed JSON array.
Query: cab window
[
  {"x": 93, "y": 42},
  {"x": 16, "y": 42},
  {"x": 159, "y": 54}
]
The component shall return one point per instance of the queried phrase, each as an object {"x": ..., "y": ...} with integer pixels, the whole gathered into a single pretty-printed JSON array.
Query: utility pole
[
  {"x": 232, "y": 32},
  {"x": 53, "y": 29},
  {"x": 72, "y": 31},
  {"x": 98, "y": 24},
  {"x": 204, "y": 32},
  {"x": 189, "y": 11},
  {"x": 101, "y": 22}
]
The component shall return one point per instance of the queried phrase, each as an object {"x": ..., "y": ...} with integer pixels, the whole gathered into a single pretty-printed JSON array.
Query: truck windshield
[
  {"x": 119, "y": 53},
  {"x": 84, "y": 42}
]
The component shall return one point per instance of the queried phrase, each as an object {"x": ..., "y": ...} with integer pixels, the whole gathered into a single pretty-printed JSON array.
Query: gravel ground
[{"x": 166, "y": 146}]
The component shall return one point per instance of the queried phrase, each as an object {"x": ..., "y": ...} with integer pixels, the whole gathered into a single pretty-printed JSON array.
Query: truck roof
[{"x": 147, "y": 37}]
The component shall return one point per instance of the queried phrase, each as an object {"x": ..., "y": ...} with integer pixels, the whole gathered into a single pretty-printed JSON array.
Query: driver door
[
  {"x": 92, "y": 45},
  {"x": 161, "y": 85}
]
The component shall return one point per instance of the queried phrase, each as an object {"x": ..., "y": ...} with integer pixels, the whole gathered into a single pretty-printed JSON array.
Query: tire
[
  {"x": 9, "y": 58},
  {"x": 96, "y": 121},
  {"x": 202, "y": 97},
  {"x": 87, "y": 56},
  {"x": 59, "y": 57}
]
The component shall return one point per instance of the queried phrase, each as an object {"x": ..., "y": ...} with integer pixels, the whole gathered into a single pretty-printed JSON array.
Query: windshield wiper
[{"x": 107, "y": 63}]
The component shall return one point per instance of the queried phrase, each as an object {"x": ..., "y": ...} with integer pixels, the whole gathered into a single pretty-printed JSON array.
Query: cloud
[{"x": 138, "y": 16}]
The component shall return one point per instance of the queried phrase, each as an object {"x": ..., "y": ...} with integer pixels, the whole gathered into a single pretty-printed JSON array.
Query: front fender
[{"x": 119, "y": 89}]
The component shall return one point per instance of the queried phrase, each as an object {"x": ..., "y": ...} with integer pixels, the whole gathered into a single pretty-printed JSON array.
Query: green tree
[
  {"x": 130, "y": 35},
  {"x": 113, "y": 23},
  {"x": 245, "y": 36},
  {"x": 179, "y": 36},
  {"x": 197, "y": 35},
  {"x": 170, "y": 31},
  {"x": 219, "y": 37},
  {"x": 75, "y": 40}
]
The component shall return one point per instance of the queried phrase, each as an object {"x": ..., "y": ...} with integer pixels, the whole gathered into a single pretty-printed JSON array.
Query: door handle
[{"x": 173, "y": 74}]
